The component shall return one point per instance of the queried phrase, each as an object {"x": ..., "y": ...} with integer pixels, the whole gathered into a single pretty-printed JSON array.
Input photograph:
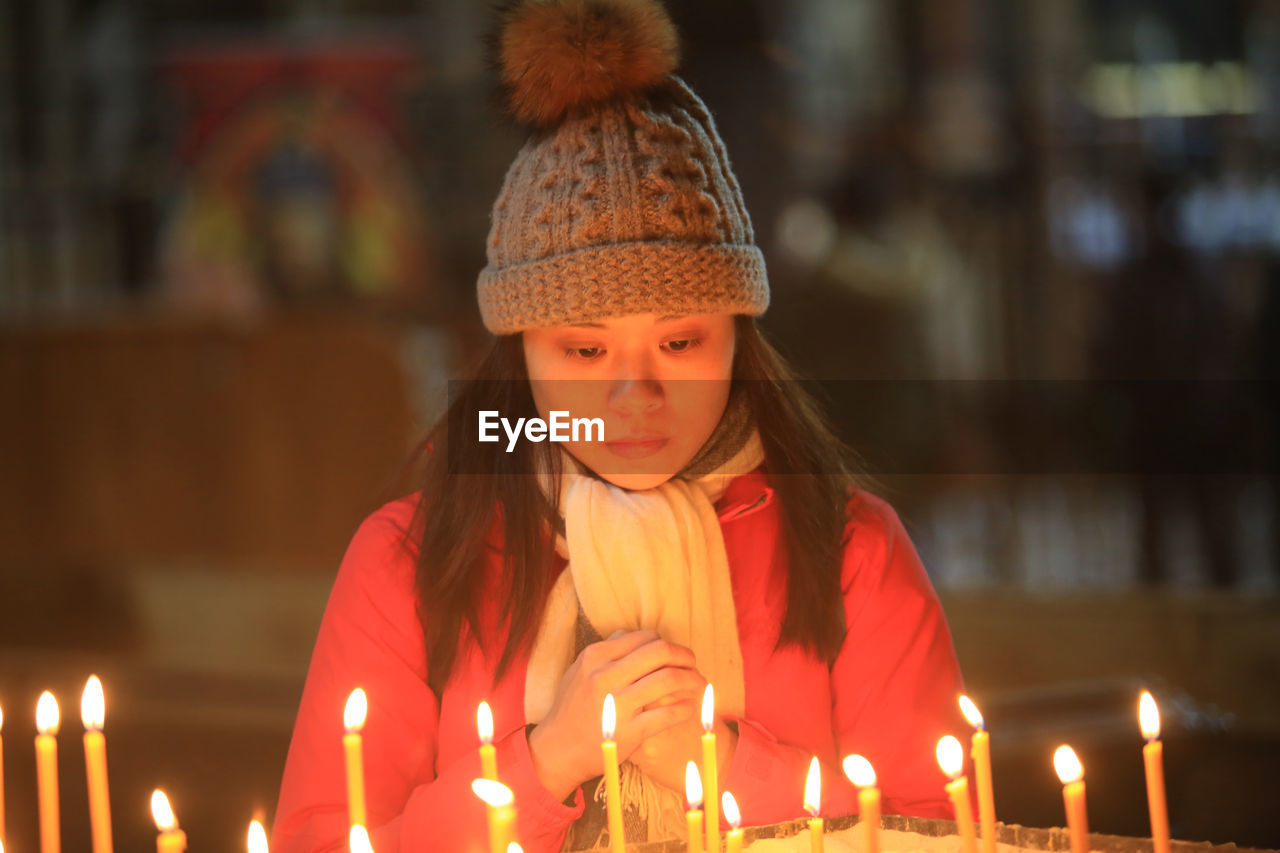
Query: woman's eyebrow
[{"x": 667, "y": 318}]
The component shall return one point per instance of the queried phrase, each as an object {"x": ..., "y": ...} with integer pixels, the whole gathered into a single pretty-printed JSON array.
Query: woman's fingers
[
  {"x": 671, "y": 682},
  {"x": 655, "y": 721},
  {"x": 648, "y": 658}
]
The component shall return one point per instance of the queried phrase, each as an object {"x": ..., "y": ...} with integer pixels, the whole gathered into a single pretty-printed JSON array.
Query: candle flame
[
  {"x": 93, "y": 705},
  {"x": 484, "y": 722},
  {"x": 950, "y": 756},
  {"x": 729, "y": 806},
  {"x": 971, "y": 712},
  {"x": 692, "y": 785},
  {"x": 257, "y": 837},
  {"x": 813, "y": 788},
  {"x": 356, "y": 710},
  {"x": 708, "y": 708},
  {"x": 1068, "y": 765},
  {"x": 162, "y": 812},
  {"x": 1148, "y": 716},
  {"x": 859, "y": 771},
  {"x": 1, "y": 727},
  {"x": 47, "y": 716},
  {"x": 494, "y": 793},
  {"x": 511, "y": 848},
  {"x": 608, "y": 718},
  {"x": 358, "y": 840}
]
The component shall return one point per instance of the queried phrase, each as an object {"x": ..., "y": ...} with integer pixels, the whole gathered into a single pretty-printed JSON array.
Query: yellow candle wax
[
  {"x": 2, "y": 836},
  {"x": 813, "y": 803},
  {"x": 502, "y": 812},
  {"x": 353, "y": 717},
  {"x": 613, "y": 791},
  {"x": 1071, "y": 773},
  {"x": 710, "y": 770},
  {"x": 93, "y": 715},
  {"x": 950, "y": 756},
  {"x": 863, "y": 775},
  {"x": 733, "y": 841},
  {"x": 693, "y": 817},
  {"x": 1153, "y": 763},
  {"x": 980, "y": 751},
  {"x": 47, "y": 719},
  {"x": 488, "y": 755},
  {"x": 170, "y": 839}
]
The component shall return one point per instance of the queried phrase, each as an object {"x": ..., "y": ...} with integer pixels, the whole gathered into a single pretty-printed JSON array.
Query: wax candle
[
  {"x": 733, "y": 841},
  {"x": 863, "y": 776},
  {"x": 47, "y": 719},
  {"x": 710, "y": 769},
  {"x": 1, "y": 781},
  {"x": 353, "y": 716},
  {"x": 171, "y": 839},
  {"x": 93, "y": 711},
  {"x": 1153, "y": 761},
  {"x": 980, "y": 752},
  {"x": 613, "y": 792},
  {"x": 257, "y": 842},
  {"x": 501, "y": 803},
  {"x": 950, "y": 756},
  {"x": 693, "y": 795},
  {"x": 488, "y": 755},
  {"x": 812, "y": 804},
  {"x": 358, "y": 840},
  {"x": 1071, "y": 773}
]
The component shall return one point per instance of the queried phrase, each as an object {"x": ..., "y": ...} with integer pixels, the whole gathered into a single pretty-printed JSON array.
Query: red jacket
[{"x": 890, "y": 695}]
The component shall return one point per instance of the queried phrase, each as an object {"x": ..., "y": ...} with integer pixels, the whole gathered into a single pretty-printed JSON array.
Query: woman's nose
[{"x": 634, "y": 395}]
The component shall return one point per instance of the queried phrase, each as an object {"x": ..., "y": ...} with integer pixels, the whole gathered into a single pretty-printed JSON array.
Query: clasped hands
[{"x": 658, "y": 692}]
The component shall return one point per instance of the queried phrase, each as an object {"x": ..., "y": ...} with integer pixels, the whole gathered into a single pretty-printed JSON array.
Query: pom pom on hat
[{"x": 557, "y": 55}]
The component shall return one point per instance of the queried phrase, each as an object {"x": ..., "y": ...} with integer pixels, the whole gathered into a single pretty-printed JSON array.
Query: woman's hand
[
  {"x": 655, "y": 686},
  {"x": 663, "y": 756}
]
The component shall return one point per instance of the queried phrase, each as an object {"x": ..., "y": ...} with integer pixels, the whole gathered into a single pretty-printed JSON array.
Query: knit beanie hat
[{"x": 622, "y": 200}]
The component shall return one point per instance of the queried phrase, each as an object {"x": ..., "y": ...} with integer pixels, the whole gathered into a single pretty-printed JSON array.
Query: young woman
[{"x": 714, "y": 532}]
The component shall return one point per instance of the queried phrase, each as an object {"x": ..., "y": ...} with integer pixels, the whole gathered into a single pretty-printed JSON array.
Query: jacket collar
[{"x": 745, "y": 494}]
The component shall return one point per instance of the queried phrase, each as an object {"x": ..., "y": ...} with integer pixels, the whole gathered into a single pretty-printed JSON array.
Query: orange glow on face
[
  {"x": 609, "y": 718},
  {"x": 47, "y": 715},
  {"x": 692, "y": 785},
  {"x": 1067, "y": 765},
  {"x": 813, "y": 788},
  {"x": 859, "y": 771},
  {"x": 1148, "y": 716}
]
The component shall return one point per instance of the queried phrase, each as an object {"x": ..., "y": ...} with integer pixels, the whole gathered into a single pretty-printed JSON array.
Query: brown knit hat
[{"x": 622, "y": 200}]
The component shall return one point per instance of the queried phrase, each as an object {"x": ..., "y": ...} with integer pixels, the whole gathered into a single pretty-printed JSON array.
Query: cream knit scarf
[{"x": 649, "y": 559}]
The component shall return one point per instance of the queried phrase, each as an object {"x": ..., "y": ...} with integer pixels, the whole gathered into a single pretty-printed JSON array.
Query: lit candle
[
  {"x": 613, "y": 792},
  {"x": 693, "y": 794},
  {"x": 733, "y": 841},
  {"x": 710, "y": 776},
  {"x": 950, "y": 756},
  {"x": 863, "y": 776},
  {"x": 1153, "y": 760},
  {"x": 980, "y": 751},
  {"x": 358, "y": 840},
  {"x": 257, "y": 837},
  {"x": 171, "y": 839},
  {"x": 1071, "y": 772},
  {"x": 488, "y": 755},
  {"x": 812, "y": 804},
  {"x": 47, "y": 719},
  {"x": 511, "y": 848},
  {"x": 502, "y": 811},
  {"x": 353, "y": 716},
  {"x": 93, "y": 711},
  {"x": 1, "y": 783}
]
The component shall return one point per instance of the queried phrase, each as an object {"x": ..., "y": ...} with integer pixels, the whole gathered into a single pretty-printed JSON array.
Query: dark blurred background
[{"x": 1030, "y": 250}]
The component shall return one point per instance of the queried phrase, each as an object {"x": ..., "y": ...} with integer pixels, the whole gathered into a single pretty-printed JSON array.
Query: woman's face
[{"x": 659, "y": 383}]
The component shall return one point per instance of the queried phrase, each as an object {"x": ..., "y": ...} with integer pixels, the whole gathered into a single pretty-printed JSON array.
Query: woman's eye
[
  {"x": 683, "y": 345},
  {"x": 583, "y": 353}
]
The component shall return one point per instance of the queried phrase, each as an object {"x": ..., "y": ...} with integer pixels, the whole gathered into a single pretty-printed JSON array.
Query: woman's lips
[{"x": 636, "y": 449}]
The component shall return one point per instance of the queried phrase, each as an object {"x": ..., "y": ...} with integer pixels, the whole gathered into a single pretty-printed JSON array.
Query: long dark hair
[{"x": 471, "y": 493}]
